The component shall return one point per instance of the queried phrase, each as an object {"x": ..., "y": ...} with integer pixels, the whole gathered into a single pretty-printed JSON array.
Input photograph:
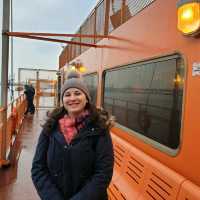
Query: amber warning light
[{"x": 189, "y": 16}]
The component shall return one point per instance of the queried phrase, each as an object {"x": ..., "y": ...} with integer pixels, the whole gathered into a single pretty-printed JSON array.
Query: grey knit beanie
[{"x": 74, "y": 80}]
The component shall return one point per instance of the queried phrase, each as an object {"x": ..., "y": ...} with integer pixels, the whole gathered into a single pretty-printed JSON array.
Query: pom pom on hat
[
  {"x": 73, "y": 74},
  {"x": 74, "y": 80}
]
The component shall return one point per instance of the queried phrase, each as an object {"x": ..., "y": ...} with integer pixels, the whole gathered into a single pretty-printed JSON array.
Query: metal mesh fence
[
  {"x": 100, "y": 19},
  {"x": 88, "y": 28},
  {"x": 135, "y": 6},
  {"x": 116, "y": 12},
  {"x": 77, "y": 47}
]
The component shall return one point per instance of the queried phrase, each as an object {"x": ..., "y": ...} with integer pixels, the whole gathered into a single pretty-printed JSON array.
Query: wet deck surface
[{"x": 15, "y": 181}]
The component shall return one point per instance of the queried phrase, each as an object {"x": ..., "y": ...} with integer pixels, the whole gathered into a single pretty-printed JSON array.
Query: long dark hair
[{"x": 97, "y": 116}]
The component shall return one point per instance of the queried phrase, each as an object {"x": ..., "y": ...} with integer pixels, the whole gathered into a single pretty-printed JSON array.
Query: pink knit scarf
[{"x": 69, "y": 126}]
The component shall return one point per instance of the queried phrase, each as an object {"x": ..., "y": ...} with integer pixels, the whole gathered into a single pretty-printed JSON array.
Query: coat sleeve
[
  {"x": 40, "y": 173},
  {"x": 96, "y": 188}
]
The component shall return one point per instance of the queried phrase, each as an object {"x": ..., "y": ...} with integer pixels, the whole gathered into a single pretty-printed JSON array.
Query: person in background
[
  {"x": 74, "y": 155},
  {"x": 30, "y": 93}
]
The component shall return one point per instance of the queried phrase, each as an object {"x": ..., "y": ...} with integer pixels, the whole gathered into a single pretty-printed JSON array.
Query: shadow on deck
[{"x": 15, "y": 181}]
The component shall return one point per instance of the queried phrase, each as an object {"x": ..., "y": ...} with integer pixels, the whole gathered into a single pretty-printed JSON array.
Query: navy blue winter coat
[{"x": 79, "y": 171}]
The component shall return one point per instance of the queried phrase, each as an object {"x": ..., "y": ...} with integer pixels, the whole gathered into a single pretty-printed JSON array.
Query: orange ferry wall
[{"x": 153, "y": 33}]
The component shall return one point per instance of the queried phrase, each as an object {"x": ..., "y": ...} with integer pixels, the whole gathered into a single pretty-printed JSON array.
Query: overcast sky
[{"x": 53, "y": 16}]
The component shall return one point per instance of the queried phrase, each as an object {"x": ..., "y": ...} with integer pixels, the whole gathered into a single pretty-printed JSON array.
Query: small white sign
[{"x": 196, "y": 69}]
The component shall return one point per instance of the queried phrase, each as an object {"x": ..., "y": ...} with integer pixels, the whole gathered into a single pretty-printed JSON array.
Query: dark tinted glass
[
  {"x": 91, "y": 81},
  {"x": 147, "y": 98}
]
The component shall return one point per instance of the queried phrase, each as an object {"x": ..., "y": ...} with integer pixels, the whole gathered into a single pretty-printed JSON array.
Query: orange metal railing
[
  {"x": 12, "y": 116},
  {"x": 44, "y": 88},
  {"x": 11, "y": 124}
]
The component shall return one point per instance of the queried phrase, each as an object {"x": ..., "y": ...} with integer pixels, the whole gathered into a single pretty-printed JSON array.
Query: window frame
[
  {"x": 153, "y": 143},
  {"x": 91, "y": 74}
]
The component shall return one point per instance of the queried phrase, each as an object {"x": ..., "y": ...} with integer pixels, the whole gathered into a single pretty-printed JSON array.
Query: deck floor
[{"x": 15, "y": 181}]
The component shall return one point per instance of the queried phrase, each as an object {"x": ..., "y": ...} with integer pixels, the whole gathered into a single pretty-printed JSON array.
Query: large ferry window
[
  {"x": 91, "y": 81},
  {"x": 147, "y": 98}
]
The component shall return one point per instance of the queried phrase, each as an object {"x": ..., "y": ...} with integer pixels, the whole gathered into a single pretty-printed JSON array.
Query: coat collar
[
  {"x": 59, "y": 137},
  {"x": 91, "y": 129}
]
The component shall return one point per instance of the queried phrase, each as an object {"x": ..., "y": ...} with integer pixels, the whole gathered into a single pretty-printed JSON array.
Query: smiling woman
[
  {"x": 74, "y": 156},
  {"x": 75, "y": 94},
  {"x": 74, "y": 100}
]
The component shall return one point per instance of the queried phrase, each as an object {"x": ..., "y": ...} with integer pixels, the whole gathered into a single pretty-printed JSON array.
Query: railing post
[
  {"x": 106, "y": 20},
  {"x": 19, "y": 79},
  {"x": 58, "y": 87},
  {"x": 4, "y": 76},
  {"x": 123, "y": 12},
  {"x": 95, "y": 24},
  {"x": 37, "y": 89}
]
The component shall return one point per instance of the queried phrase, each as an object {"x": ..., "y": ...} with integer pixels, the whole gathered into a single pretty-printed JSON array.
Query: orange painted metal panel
[
  {"x": 189, "y": 191},
  {"x": 153, "y": 33},
  {"x": 1, "y": 129},
  {"x": 143, "y": 177}
]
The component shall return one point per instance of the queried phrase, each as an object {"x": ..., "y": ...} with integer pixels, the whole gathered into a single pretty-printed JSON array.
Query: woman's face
[{"x": 74, "y": 101}]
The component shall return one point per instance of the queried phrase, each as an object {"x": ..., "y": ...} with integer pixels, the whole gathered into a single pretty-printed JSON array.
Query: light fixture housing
[
  {"x": 189, "y": 16},
  {"x": 78, "y": 65}
]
